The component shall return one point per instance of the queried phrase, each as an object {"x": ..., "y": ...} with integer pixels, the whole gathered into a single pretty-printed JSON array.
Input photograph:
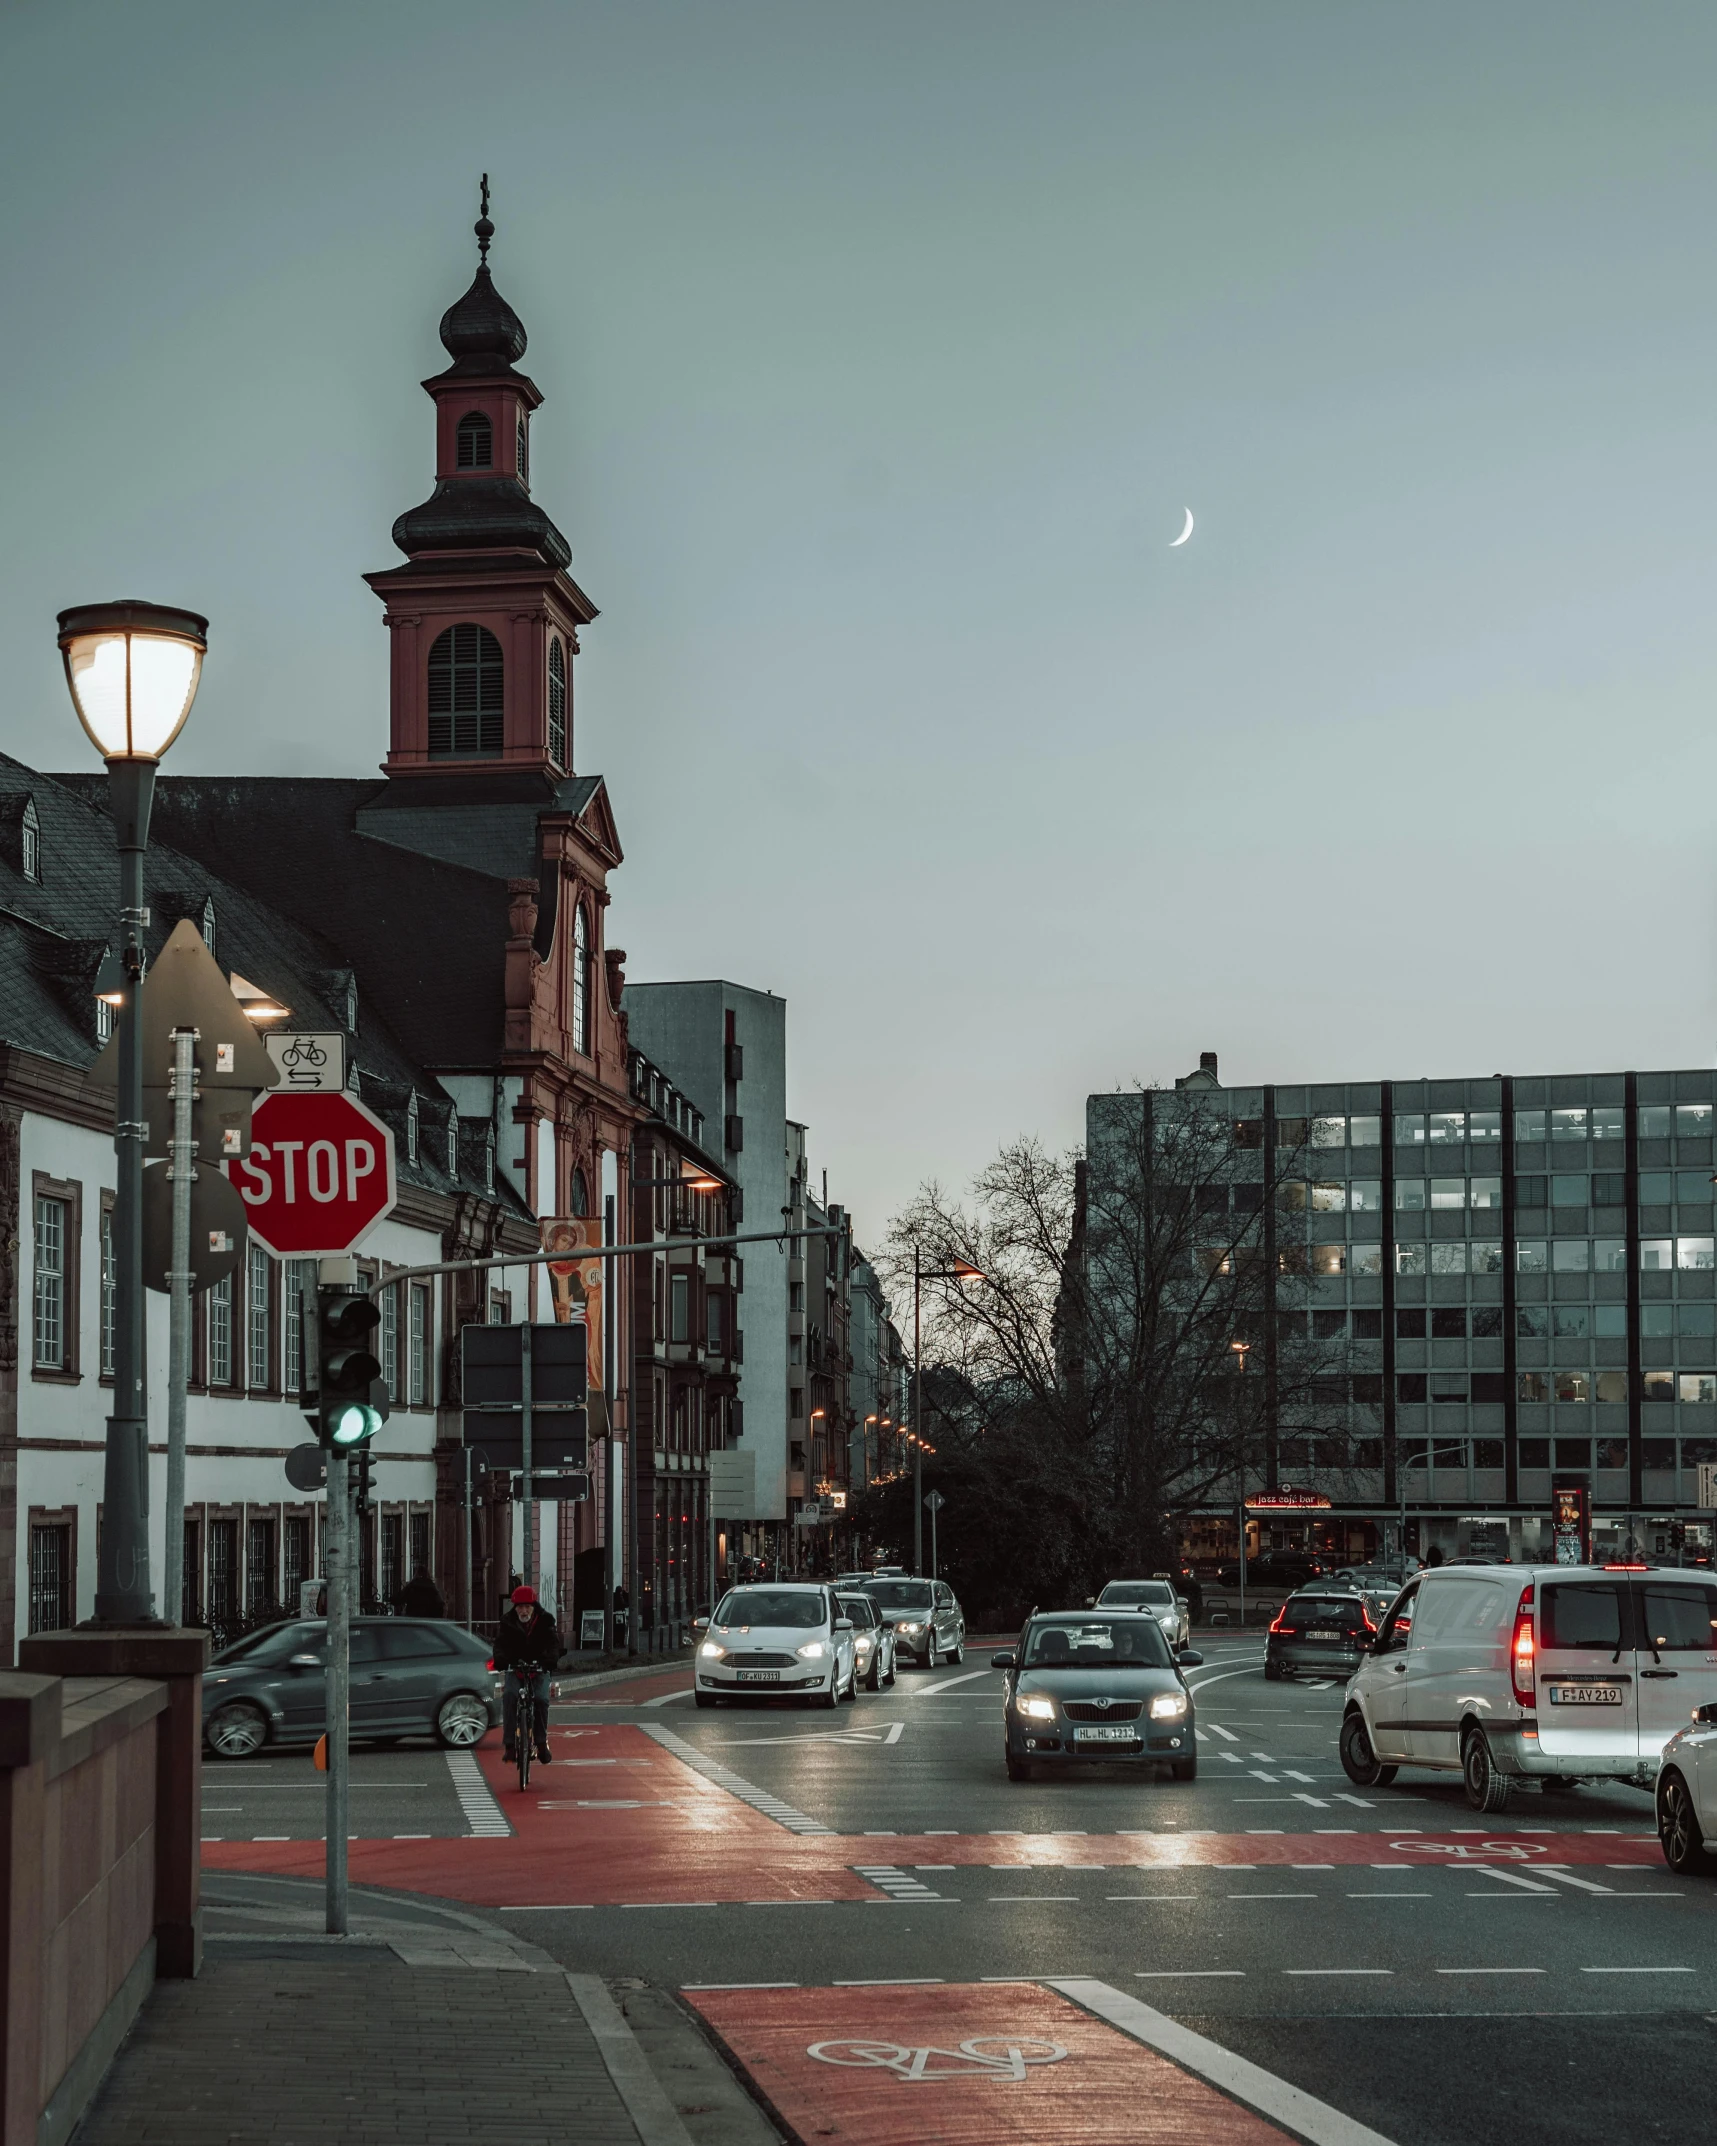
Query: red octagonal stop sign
[{"x": 319, "y": 1174}]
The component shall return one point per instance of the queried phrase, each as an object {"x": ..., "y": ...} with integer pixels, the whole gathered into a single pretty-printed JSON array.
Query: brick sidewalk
[{"x": 351, "y": 2047}]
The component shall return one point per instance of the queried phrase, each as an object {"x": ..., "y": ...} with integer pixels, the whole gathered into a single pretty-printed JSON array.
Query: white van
[{"x": 1513, "y": 1672}]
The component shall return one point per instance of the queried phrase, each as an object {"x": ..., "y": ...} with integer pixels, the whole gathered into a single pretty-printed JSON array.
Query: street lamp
[
  {"x": 962, "y": 1270},
  {"x": 132, "y": 669},
  {"x": 1241, "y": 1350}
]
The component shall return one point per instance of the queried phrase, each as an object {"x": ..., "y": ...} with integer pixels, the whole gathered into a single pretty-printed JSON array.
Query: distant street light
[
  {"x": 133, "y": 670},
  {"x": 961, "y": 1270}
]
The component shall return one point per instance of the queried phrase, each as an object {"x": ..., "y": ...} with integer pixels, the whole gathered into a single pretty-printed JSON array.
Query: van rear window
[{"x": 1583, "y": 1613}]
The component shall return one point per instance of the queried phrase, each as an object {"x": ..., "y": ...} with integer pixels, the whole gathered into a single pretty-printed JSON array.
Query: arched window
[
  {"x": 523, "y": 451},
  {"x": 474, "y": 442},
  {"x": 31, "y": 857},
  {"x": 580, "y": 1194},
  {"x": 465, "y": 693},
  {"x": 580, "y": 982},
  {"x": 557, "y": 702}
]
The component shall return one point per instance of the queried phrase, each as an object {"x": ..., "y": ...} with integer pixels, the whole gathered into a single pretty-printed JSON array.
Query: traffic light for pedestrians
[
  {"x": 363, "y": 1464},
  {"x": 347, "y": 1372}
]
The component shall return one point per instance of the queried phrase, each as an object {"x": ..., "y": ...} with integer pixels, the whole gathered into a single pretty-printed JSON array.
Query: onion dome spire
[{"x": 480, "y": 332}]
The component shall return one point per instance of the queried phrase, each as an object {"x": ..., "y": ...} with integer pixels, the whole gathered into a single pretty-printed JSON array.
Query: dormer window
[
  {"x": 105, "y": 1015},
  {"x": 557, "y": 703},
  {"x": 453, "y": 1143},
  {"x": 30, "y": 857},
  {"x": 208, "y": 924},
  {"x": 411, "y": 1127},
  {"x": 474, "y": 442},
  {"x": 466, "y": 694},
  {"x": 523, "y": 450}
]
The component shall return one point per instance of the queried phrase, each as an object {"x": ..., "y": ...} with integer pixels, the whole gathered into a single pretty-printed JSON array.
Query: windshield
[
  {"x": 900, "y": 1594},
  {"x": 800, "y": 1609},
  {"x": 274, "y": 1644},
  {"x": 1094, "y": 1643},
  {"x": 1157, "y": 1592},
  {"x": 858, "y": 1608}
]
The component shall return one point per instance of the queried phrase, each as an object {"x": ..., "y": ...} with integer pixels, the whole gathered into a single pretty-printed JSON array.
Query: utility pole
[
  {"x": 338, "y": 1680},
  {"x": 917, "y": 1418}
]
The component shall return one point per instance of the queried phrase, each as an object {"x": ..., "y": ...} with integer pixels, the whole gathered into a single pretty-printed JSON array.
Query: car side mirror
[
  {"x": 1001, "y": 1661},
  {"x": 843, "y": 1624},
  {"x": 1190, "y": 1658},
  {"x": 700, "y": 1624},
  {"x": 888, "y": 1624},
  {"x": 304, "y": 1661}
]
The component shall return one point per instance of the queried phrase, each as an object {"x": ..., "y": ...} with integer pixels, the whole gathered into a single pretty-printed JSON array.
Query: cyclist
[{"x": 528, "y": 1638}]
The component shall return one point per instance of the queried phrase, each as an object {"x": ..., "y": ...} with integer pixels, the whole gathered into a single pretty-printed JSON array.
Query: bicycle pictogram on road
[
  {"x": 1489, "y": 1851},
  {"x": 984, "y": 2056}
]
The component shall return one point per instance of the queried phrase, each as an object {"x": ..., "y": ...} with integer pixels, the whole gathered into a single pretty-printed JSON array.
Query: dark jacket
[
  {"x": 513, "y": 1644},
  {"x": 420, "y": 1597}
]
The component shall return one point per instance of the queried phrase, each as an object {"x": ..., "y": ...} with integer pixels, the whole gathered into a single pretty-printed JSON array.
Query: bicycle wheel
[{"x": 524, "y": 1750}]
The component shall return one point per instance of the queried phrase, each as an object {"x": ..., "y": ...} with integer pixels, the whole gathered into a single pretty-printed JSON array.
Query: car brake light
[
  {"x": 1627, "y": 1568},
  {"x": 490, "y": 1663},
  {"x": 1522, "y": 1652},
  {"x": 1287, "y": 1630}
]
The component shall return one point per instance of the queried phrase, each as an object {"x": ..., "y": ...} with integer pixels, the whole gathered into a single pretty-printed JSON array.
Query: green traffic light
[{"x": 354, "y": 1424}]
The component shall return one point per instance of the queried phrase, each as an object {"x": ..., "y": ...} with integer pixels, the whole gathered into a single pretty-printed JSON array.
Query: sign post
[{"x": 933, "y": 1504}]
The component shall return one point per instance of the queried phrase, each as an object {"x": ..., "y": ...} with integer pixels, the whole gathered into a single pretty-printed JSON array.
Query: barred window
[
  {"x": 465, "y": 693},
  {"x": 474, "y": 442},
  {"x": 259, "y": 1565},
  {"x": 292, "y": 1325},
  {"x": 223, "y": 1558},
  {"x": 390, "y": 1340},
  {"x": 295, "y": 1560},
  {"x": 53, "y": 1340},
  {"x": 557, "y": 703},
  {"x": 221, "y": 1332},
  {"x": 258, "y": 1307},
  {"x": 418, "y": 1343}
]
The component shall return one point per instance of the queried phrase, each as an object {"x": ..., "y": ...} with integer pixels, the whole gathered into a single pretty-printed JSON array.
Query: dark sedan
[
  {"x": 1104, "y": 1687},
  {"x": 1323, "y": 1631},
  {"x": 411, "y": 1676}
]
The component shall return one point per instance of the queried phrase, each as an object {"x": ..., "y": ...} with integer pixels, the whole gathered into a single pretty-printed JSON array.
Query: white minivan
[{"x": 1519, "y": 1672}]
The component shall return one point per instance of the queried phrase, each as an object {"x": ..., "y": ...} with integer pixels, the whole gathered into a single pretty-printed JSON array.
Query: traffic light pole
[
  {"x": 528, "y": 1565},
  {"x": 339, "y": 1683}
]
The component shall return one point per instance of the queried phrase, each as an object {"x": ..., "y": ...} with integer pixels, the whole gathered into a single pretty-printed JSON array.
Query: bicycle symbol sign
[
  {"x": 985, "y": 2056},
  {"x": 1515, "y": 1851}
]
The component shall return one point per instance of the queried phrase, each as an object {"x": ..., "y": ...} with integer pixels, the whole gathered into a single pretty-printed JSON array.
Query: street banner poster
[{"x": 578, "y": 1293}]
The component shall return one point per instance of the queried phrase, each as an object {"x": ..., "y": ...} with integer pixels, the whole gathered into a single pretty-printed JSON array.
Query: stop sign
[{"x": 319, "y": 1174}]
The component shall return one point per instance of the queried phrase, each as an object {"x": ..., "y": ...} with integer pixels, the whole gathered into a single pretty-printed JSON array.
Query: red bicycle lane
[{"x": 619, "y": 1820}]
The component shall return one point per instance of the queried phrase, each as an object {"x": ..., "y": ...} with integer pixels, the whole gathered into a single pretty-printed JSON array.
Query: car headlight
[
  {"x": 912, "y": 1628},
  {"x": 1168, "y": 1706},
  {"x": 1036, "y": 1708},
  {"x": 710, "y": 1652},
  {"x": 812, "y": 1651}
]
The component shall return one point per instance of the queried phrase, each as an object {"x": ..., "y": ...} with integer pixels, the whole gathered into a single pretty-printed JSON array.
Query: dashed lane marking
[
  {"x": 898, "y": 1884},
  {"x": 483, "y": 1814}
]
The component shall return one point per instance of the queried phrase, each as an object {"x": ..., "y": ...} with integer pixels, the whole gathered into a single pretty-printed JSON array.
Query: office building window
[
  {"x": 259, "y": 1309},
  {"x": 1329, "y": 1132},
  {"x": 50, "y": 1576},
  {"x": 1532, "y": 1321},
  {"x": 1610, "y": 1255},
  {"x": 1484, "y": 1125},
  {"x": 1573, "y": 1386},
  {"x": 1533, "y": 1386},
  {"x": 1485, "y": 1192},
  {"x": 1448, "y": 1192},
  {"x": 1567, "y": 1125},
  {"x": 1535, "y": 1452},
  {"x": 1570, "y": 1255},
  {"x": 1699, "y": 1387},
  {"x": 1607, "y": 1122},
  {"x": 1329, "y": 1199},
  {"x": 1365, "y": 1196},
  {"x": 1487, "y": 1453},
  {"x": 1612, "y": 1386},
  {"x": 1529, "y": 1125},
  {"x": 1693, "y": 1121},
  {"x": 220, "y": 1299},
  {"x": 53, "y": 1324},
  {"x": 1365, "y": 1132},
  {"x": 1449, "y": 1258},
  {"x": 1531, "y": 1256},
  {"x": 1657, "y": 1453},
  {"x": 1569, "y": 1320},
  {"x": 1569, "y": 1191},
  {"x": 109, "y": 1292},
  {"x": 1365, "y": 1259},
  {"x": 1696, "y": 1253},
  {"x": 1412, "y": 1194},
  {"x": 1659, "y": 1385},
  {"x": 1656, "y": 1255},
  {"x": 1410, "y": 1259}
]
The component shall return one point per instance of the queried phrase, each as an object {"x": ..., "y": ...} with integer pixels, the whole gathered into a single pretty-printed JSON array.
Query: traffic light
[
  {"x": 347, "y": 1373},
  {"x": 364, "y": 1462}
]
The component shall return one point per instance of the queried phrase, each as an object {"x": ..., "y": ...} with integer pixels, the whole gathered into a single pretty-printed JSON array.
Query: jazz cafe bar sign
[{"x": 1287, "y": 1500}]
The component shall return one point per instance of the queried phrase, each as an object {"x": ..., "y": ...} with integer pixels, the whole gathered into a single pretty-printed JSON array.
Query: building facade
[{"x": 1510, "y": 1286}]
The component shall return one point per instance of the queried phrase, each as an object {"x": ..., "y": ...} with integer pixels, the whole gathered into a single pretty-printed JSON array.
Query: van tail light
[{"x": 1523, "y": 1652}]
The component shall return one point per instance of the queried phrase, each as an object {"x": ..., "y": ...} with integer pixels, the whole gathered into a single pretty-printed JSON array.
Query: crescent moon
[{"x": 1185, "y": 533}]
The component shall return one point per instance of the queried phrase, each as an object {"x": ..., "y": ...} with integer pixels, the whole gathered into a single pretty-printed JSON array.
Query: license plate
[
  {"x": 759, "y": 1676},
  {"x": 1585, "y": 1695},
  {"x": 1110, "y": 1735},
  {"x": 1323, "y": 1635}
]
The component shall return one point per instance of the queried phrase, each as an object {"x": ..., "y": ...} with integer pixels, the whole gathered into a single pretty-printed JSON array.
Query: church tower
[{"x": 484, "y": 615}]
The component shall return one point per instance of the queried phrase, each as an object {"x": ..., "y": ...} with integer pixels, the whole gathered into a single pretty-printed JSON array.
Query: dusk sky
[{"x": 884, "y": 349}]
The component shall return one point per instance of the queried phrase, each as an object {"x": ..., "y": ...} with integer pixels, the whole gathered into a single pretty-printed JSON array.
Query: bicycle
[{"x": 530, "y": 1675}]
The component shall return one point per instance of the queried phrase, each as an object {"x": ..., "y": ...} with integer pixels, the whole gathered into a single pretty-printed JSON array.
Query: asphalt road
[{"x": 1559, "y": 1984}]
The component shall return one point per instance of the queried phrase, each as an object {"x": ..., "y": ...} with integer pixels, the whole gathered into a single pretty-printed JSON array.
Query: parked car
[
  {"x": 1501, "y": 1673},
  {"x": 1321, "y": 1630},
  {"x": 928, "y": 1623},
  {"x": 1104, "y": 1686},
  {"x": 790, "y": 1638},
  {"x": 410, "y": 1676},
  {"x": 1687, "y": 1792},
  {"x": 1275, "y": 1568},
  {"x": 1157, "y": 1596},
  {"x": 873, "y": 1639}
]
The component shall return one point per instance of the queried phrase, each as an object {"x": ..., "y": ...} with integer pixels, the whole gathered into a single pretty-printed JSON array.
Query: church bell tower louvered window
[
  {"x": 466, "y": 696},
  {"x": 474, "y": 442},
  {"x": 557, "y": 703}
]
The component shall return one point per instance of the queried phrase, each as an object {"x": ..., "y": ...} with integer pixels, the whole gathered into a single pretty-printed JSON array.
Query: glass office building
[{"x": 1504, "y": 1283}]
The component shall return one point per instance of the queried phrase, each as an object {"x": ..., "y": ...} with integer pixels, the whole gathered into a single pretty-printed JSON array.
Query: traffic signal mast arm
[{"x": 600, "y": 1251}]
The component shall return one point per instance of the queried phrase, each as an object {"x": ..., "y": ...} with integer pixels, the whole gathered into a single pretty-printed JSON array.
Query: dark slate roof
[
  {"x": 482, "y": 514},
  {"x": 53, "y": 935},
  {"x": 480, "y": 332}
]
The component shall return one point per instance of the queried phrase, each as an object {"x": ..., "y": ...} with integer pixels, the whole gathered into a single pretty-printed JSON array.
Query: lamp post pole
[
  {"x": 917, "y": 1420},
  {"x": 132, "y": 671}
]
